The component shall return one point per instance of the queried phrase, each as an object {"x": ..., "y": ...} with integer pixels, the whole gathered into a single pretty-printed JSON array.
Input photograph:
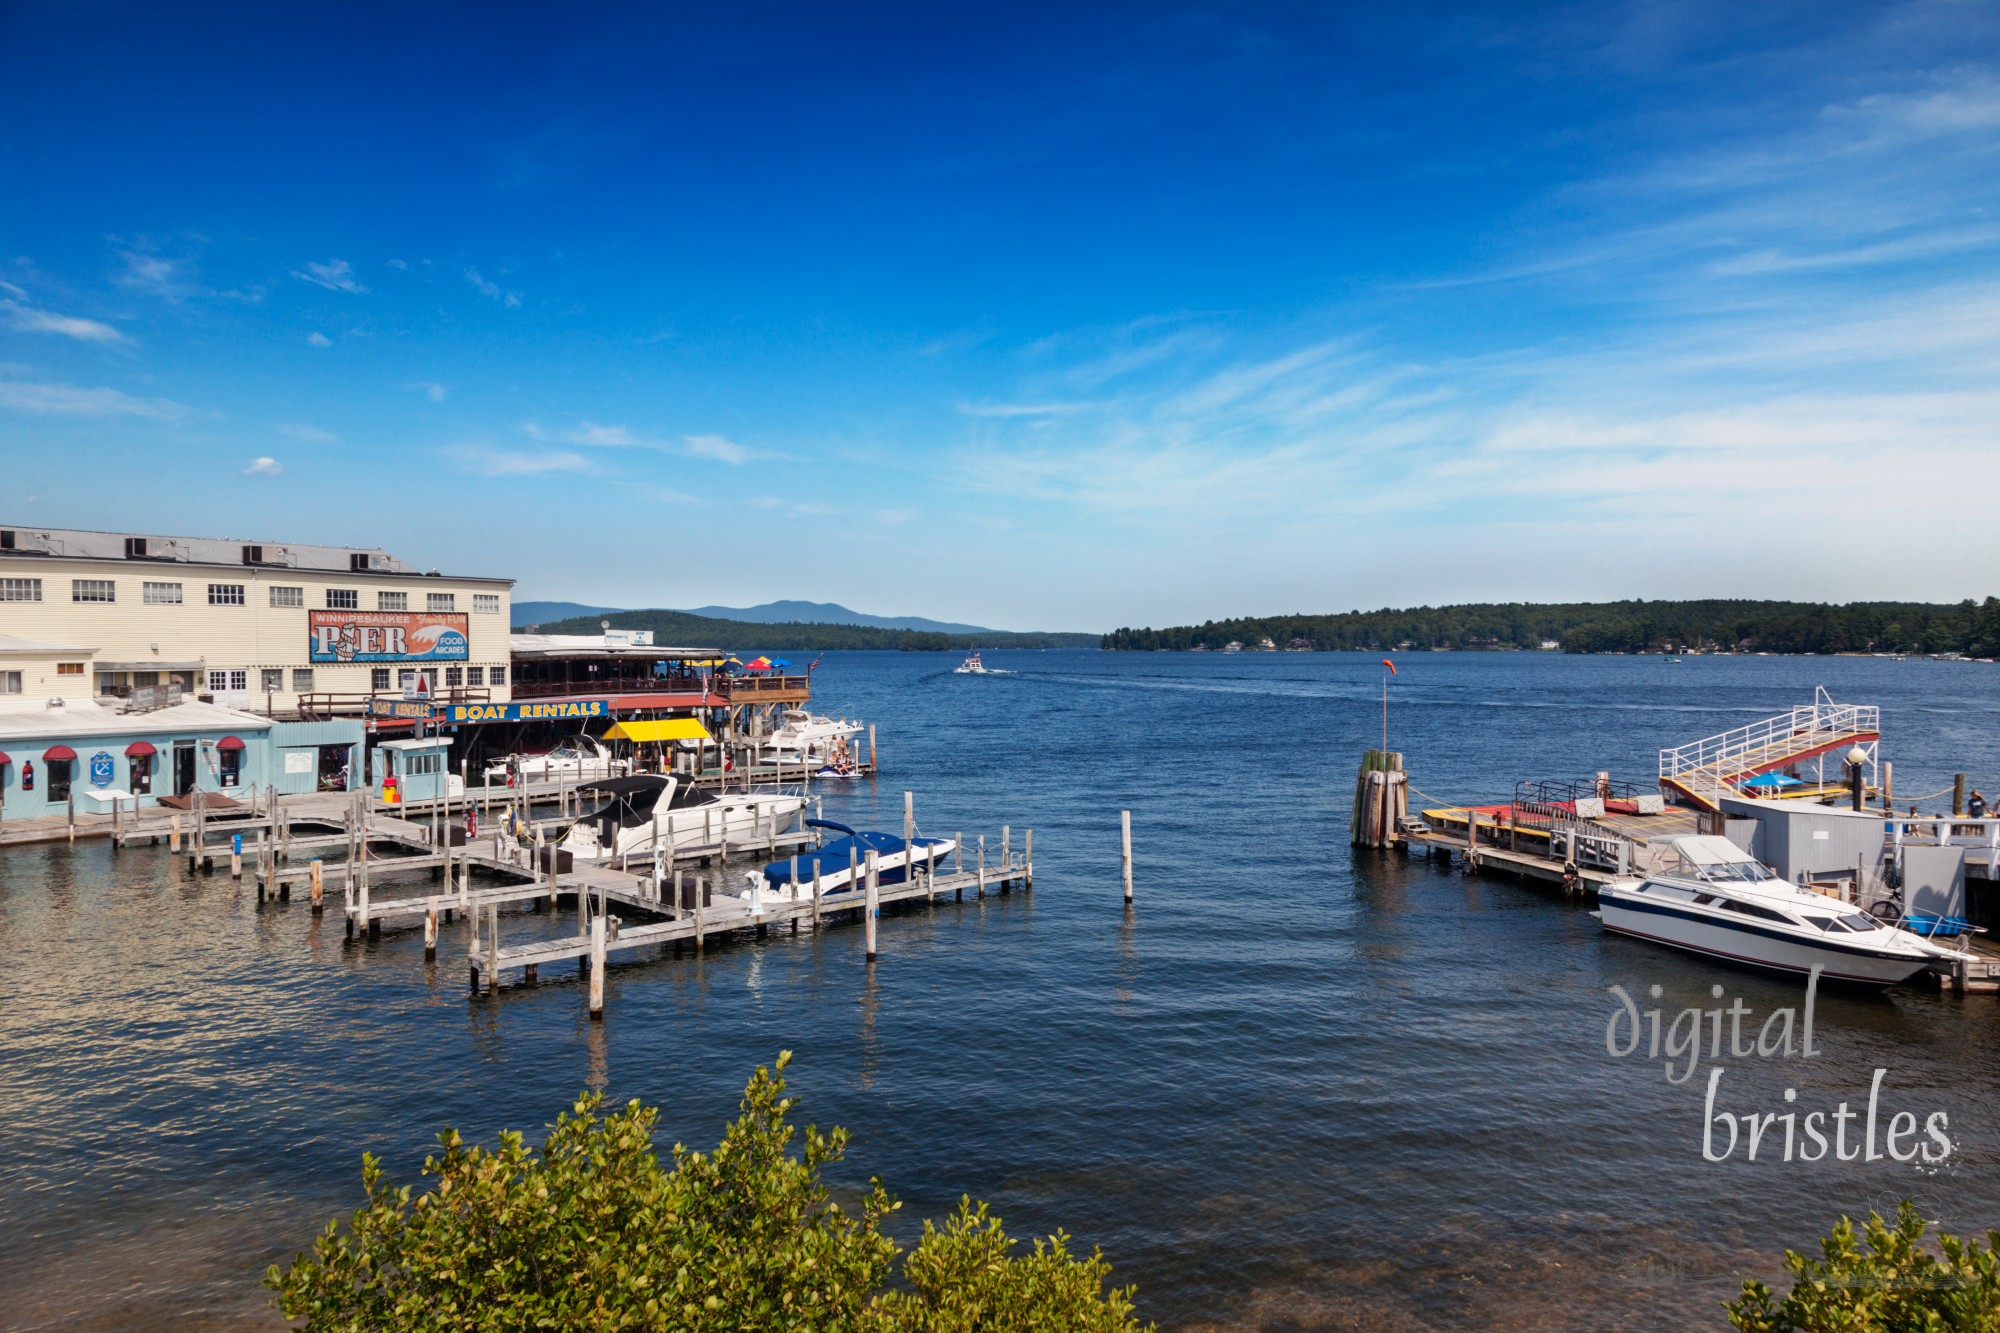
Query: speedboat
[
  {"x": 579, "y": 758},
  {"x": 1719, "y": 901},
  {"x": 842, "y": 865},
  {"x": 645, "y": 813},
  {"x": 807, "y": 737},
  {"x": 971, "y": 666}
]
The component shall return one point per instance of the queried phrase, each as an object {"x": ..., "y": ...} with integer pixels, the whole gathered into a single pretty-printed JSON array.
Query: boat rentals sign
[{"x": 389, "y": 636}]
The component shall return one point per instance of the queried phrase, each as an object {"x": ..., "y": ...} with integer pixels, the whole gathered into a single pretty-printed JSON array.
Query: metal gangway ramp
[{"x": 1704, "y": 771}]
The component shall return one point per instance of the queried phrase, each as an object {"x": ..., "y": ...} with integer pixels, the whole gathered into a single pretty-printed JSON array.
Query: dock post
[
  {"x": 792, "y": 885},
  {"x": 815, "y": 897},
  {"x": 930, "y": 873},
  {"x": 909, "y": 815},
  {"x": 680, "y": 895},
  {"x": 873, "y": 900},
  {"x": 174, "y": 835},
  {"x": 236, "y": 856},
  {"x": 493, "y": 948},
  {"x": 958, "y": 853},
  {"x": 1006, "y": 858},
  {"x": 597, "y": 969},
  {"x": 72, "y": 816},
  {"x": 1028, "y": 861},
  {"x": 697, "y": 914},
  {"x": 361, "y": 906},
  {"x": 318, "y": 886},
  {"x": 1957, "y": 794},
  {"x": 431, "y": 930},
  {"x": 874, "y": 759},
  {"x": 982, "y": 865},
  {"x": 1125, "y": 851}
]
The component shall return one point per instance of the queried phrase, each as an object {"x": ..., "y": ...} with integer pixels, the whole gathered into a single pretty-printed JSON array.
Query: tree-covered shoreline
[{"x": 1968, "y": 627}]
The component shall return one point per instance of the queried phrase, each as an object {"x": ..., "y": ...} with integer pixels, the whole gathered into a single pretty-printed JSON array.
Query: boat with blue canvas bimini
[
  {"x": 1713, "y": 898},
  {"x": 842, "y": 865}
]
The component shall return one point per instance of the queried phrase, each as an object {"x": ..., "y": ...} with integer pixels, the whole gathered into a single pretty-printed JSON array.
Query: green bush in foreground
[
  {"x": 593, "y": 1233},
  {"x": 1887, "y": 1282}
]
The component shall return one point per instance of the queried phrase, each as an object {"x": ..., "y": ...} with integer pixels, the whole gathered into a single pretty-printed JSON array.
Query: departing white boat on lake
[
  {"x": 1719, "y": 901},
  {"x": 971, "y": 666},
  {"x": 638, "y": 815},
  {"x": 575, "y": 760}
]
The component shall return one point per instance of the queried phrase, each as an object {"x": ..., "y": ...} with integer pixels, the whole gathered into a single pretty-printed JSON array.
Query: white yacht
[
  {"x": 1719, "y": 901},
  {"x": 634, "y": 816},
  {"x": 805, "y": 737},
  {"x": 971, "y": 666},
  {"x": 575, "y": 760}
]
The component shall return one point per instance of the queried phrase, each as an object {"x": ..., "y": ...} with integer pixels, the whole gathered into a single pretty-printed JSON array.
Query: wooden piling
[
  {"x": 873, "y": 900},
  {"x": 597, "y": 926},
  {"x": 1125, "y": 850},
  {"x": 492, "y": 948},
  {"x": 1958, "y": 793},
  {"x": 431, "y": 930},
  {"x": 815, "y": 897},
  {"x": 1028, "y": 861},
  {"x": 318, "y": 886},
  {"x": 982, "y": 866},
  {"x": 174, "y": 835},
  {"x": 909, "y": 815},
  {"x": 874, "y": 756}
]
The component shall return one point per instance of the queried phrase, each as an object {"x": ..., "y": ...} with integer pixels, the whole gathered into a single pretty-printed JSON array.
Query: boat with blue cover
[{"x": 842, "y": 864}]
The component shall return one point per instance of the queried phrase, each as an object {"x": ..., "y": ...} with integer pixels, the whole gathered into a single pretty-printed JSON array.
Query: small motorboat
[
  {"x": 807, "y": 737},
  {"x": 971, "y": 666},
  {"x": 842, "y": 865},
  {"x": 576, "y": 759},
  {"x": 645, "y": 813},
  {"x": 1719, "y": 901}
]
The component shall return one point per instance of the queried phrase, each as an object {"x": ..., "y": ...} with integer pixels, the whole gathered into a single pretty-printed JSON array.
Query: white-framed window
[
  {"x": 427, "y": 764},
  {"x": 302, "y": 679},
  {"x": 93, "y": 590},
  {"x": 392, "y": 601},
  {"x": 218, "y": 680},
  {"x": 225, "y": 594},
  {"x": 496, "y": 675},
  {"x": 486, "y": 603},
  {"x": 273, "y": 680},
  {"x": 10, "y": 682},
  {"x": 453, "y": 677},
  {"x": 343, "y": 599},
  {"x": 475, "y": 675},
  {"x": 20, "y": 590},
  {"x": 161, "y": 594},
  {"x": 440, "y": 601},
  {"x": 282, "y": 596},
  {"x": 238, "y": 681},
  {"x": 378, "y": 678}
]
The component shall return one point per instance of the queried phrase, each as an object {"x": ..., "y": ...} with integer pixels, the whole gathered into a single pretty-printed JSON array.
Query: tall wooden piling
[
  {"x": 174, "y": 834},
  {"x": 1028, "y": 861},
  {"x": 982, "y": 866},
  {"x": 1381, "y": 800},
  {"x": 431, "y": 930},
  {"x": 1125, "y": 851},
  {"x": 909, "y": 816},
  {"x": 318, "y": 886},
  {"x": 873, "y": 904},
  {"x": 597, "y": 950}
]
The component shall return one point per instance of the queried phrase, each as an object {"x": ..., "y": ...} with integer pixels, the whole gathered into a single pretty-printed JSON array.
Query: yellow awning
[{"x": 660, "y": 729}]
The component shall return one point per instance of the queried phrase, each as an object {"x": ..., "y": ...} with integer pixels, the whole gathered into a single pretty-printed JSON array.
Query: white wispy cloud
[
  {"x": 336, "y": 275},
  {"x": 264, "y": 467},
  {"x": 30, "y": 320},
  {"x": 518, "y": 463},
  {"x": 431, "y": 389},
  {"x": 75, "y": 400},
  {"x": 717, "y": 447},
  {"x": 318, "y": 339},
  {"x": 153, "y": 275},
  {"x": 488, "y": 288}
]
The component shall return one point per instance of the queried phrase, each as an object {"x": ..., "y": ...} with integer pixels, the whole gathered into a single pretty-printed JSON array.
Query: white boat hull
[
  {"x": 736, "y": 817},
  {"x": 1755, "y": 945}
]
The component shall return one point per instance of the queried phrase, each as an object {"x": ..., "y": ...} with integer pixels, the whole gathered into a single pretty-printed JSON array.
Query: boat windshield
[
  {"x": 1735, "y": 872},
  {"x": 1858, "y": 922}
]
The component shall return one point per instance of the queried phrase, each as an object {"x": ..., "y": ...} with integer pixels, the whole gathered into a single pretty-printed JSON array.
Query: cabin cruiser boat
[
  {"x": 635, "y": 816},
  {"x": 971, "y": 666},
  {"x": 808, "y": 737},
  {"x": 575, "y": 760},
  {"x": 1719, "y": 901},
  {"x": 842, "y": 864}
]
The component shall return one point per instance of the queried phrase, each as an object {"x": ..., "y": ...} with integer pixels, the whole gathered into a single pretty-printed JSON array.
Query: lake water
[{"x": 1298, "y": 1087}]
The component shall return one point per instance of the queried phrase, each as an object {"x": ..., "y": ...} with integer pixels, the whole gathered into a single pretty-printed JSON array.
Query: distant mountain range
[{"x": 770, "y": 613}]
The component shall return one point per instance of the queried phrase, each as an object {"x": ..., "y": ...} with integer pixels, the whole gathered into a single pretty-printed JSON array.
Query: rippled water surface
[{"x": 1298, "y": 1087}]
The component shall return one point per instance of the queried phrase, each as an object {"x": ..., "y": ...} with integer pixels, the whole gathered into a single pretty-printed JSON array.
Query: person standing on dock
[{"x": 1975, "y": 805}]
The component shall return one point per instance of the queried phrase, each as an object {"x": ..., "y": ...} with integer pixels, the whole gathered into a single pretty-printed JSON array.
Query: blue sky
[{"x": 1057, "y": 317}]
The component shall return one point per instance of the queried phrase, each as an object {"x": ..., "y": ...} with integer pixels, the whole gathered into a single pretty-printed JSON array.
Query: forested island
[
  {"x": 677, "y": 628},
  {"x": 1968, "y": 627}
]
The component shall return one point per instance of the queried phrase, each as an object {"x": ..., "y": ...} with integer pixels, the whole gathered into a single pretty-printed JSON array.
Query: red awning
[
  {"x": 59, "y": 752},
  {"x": 137, "y": 748},
  {"x": 4, "y": 759},
  {"x": 229, "y": 743}
]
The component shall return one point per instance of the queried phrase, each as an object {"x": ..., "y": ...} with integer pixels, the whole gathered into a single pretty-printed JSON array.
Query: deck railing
[{"x": 1718, "y": 757}]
